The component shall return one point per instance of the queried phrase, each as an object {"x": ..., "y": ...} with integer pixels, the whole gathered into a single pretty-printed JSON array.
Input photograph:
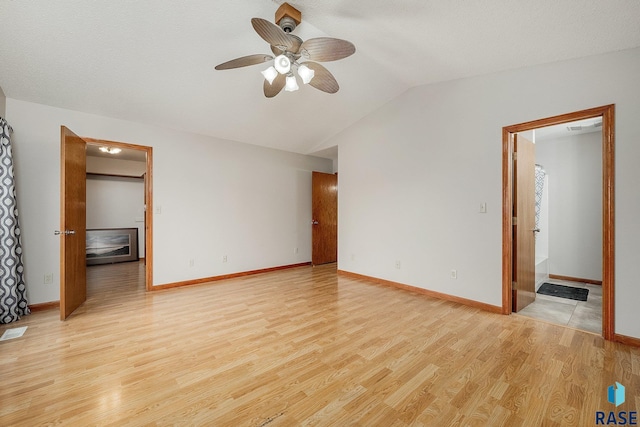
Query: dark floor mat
[{"x": 561, "y": 291}]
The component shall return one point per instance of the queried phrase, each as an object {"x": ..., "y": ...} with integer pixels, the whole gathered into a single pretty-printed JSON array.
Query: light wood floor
[{"x": 300, "y": 347}]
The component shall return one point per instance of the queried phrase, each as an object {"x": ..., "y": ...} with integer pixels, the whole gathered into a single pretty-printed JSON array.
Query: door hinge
[
  {"x": 515, "y": 155},
  {"x": 515, "y": 220},
  {"x": 513, "y": 285}
]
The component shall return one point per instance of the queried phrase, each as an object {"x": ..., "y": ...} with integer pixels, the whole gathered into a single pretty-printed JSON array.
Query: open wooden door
[
  {"x": 524, "y": 274},
  {"x": 324, "y": 195},
  {"x": 73, "y": 189}
]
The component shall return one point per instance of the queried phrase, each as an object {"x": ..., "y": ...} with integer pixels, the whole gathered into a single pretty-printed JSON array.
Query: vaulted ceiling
[{"x": 152, "y": 61}]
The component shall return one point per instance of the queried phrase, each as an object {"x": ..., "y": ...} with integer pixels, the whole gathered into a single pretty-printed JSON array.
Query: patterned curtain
[
  {"x": 13, "y": 296},
  {"x": 540, "y": 174}
]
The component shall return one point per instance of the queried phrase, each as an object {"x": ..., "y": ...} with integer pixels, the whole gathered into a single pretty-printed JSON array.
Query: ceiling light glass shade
[
  {"x": 292, "y": 84},
  {"x": 282, "y": 64},
  {"x": 110, "y": 150},
  {"x": 270, "y": 74},
  {"x": 305, "y": 73}
]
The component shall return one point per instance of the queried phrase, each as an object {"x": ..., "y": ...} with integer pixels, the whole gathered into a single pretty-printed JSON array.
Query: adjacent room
[
  {"x": 319, "y": 213},
  {"x": 568, "y": 211}
]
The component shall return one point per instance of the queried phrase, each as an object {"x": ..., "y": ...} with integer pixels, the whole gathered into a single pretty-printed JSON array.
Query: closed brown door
[
  {"x": 324, "y": 194},
  {"x": 524, "y": 288},
  {"x": 73, "y": 274}
]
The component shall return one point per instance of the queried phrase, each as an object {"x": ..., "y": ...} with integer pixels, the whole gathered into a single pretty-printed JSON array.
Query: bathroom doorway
[
  {"x": 568, "y": 225},
  {"x": 565, "y": 267}
]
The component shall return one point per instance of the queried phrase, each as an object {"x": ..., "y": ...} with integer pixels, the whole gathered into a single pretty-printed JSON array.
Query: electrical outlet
[
  {"x": 224, "y": 258},
  {"x": 398, "y": 264},
  {"x": 48, "y": 278},
  {"x": 454, "y": 274}
]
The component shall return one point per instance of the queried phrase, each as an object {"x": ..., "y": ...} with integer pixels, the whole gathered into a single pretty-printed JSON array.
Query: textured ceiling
[
  {"x": 569, "y": 129},
  {"x": 152, "y": 61}
]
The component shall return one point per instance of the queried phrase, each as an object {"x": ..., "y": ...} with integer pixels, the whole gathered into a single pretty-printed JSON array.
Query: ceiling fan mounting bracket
[{"x": 288, "y": 17}]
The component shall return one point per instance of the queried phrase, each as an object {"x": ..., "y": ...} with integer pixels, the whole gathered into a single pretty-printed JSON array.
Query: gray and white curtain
[
  {"x": 13, "y": 296},
  {"x": 540, "y": 174}
]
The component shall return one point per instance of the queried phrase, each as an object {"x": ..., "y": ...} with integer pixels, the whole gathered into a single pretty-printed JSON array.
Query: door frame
[
  {"x": 608, "y": 235},
  {"x": 148, "y": 212}
]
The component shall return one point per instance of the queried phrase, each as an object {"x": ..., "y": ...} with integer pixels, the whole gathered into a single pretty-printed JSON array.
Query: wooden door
[
  {"x": 524, "y": 288},
  {"x": 324, "y": 194},
  {"x": 73, "y": 274}
]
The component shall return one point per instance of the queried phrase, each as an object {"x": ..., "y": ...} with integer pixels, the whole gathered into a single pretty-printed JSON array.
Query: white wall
[
  {"x": 214, "y": 197},
  {"x": 413, "y": 173},
  {"x": 574, "y": 166},
  {"x": 3, "y": 103},
  {"x": 115, "y": 202}
]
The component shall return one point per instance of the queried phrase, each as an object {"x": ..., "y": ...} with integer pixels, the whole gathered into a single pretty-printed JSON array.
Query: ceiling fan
[{"x": 290, "y": 51}]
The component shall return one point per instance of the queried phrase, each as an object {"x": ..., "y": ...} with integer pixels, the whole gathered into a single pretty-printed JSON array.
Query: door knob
[
  {"x": 314, "y": 222},
  {"x": 536, "y": 230},
  {"x": 65, "y": 232}
]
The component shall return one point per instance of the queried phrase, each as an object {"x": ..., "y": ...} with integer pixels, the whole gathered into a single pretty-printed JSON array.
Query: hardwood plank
[
  {"x": 434, "y": 294},
  {"x": 303, "y": 346}
]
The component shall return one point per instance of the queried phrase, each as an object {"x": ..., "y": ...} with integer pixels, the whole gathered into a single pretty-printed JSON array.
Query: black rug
[{"x": 561, "y": 291}]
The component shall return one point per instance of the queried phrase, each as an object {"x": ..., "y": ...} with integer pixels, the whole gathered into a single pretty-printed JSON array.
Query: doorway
[
  {"x": 324, "y": 223},
  {"x": 511, "y": 221},
  {"x": 568, "y": 225},
  {"x": 147, "y": 214},
  {"x": 73, "y": 286}
]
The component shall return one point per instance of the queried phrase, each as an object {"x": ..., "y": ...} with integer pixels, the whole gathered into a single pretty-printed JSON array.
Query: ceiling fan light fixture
[
  {"x": 288, "y": 50},
  {"x": 292, "y": 84},
  {"x": 282, "y": 64},
  {"x": 305, "y": 73},
  {"x": 270, "y": 74},
  {"x": 110, "y": 150}
]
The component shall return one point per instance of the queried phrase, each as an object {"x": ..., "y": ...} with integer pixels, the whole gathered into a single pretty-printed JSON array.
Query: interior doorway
[
  {"x": 324, "y": 223},
  {"x": 567, "y": 224},
  {"x": 139, "y": 153},
  {"x": 511, "y": 258},
  {"x": 115, "y": 204},
  {"x": 73, "y": 286}
]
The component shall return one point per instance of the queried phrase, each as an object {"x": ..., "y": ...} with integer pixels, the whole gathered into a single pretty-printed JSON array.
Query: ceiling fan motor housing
[{"x": 288, "y": 17}]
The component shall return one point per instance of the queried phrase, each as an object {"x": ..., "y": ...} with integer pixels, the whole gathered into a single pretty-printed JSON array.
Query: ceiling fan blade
[
  {"x": 322, "y": 80},
  {"x": 271, "y": 33},
  {"x": 296, "y": 42},
  {"x": 271, "y": 90},
  {"x": 324, "y": 49},
  {"x": 244, "y": 61}
]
